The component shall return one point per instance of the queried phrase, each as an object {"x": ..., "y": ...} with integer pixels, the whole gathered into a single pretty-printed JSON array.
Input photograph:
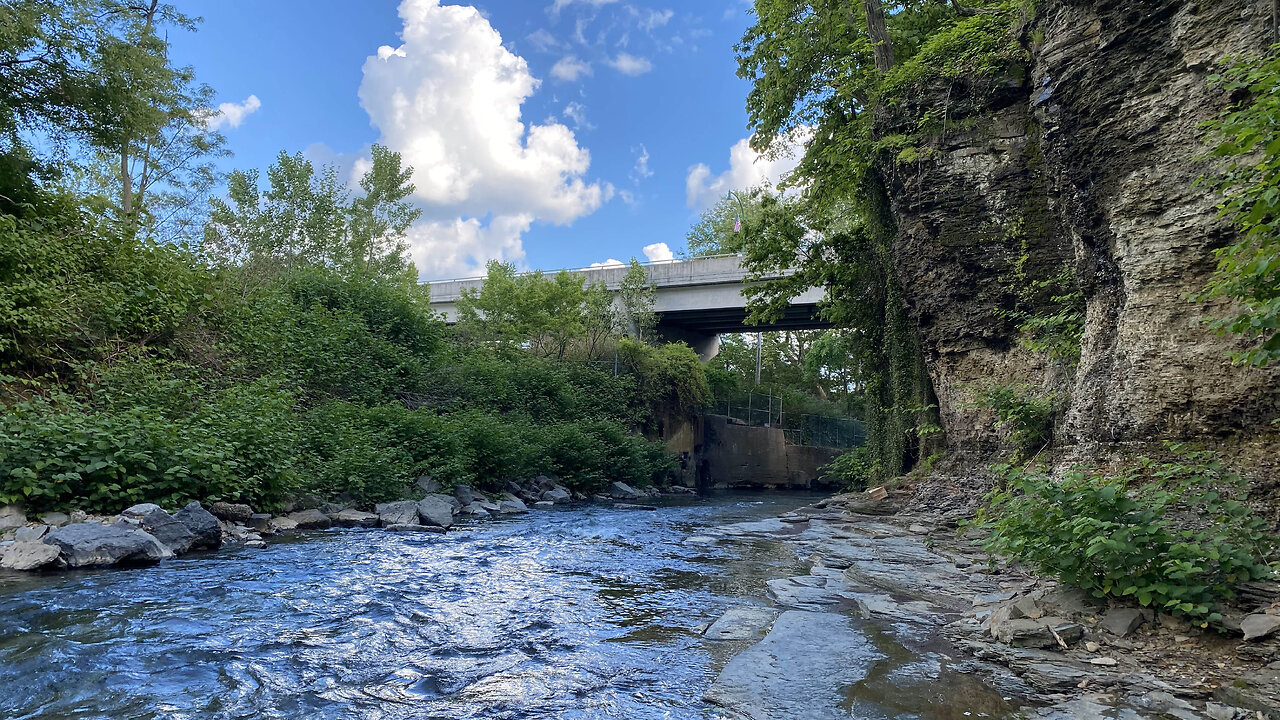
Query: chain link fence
[{"x": 767, "y": 410}]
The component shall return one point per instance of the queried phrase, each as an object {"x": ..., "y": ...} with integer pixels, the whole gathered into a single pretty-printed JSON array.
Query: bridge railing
[
  {"x": 622, "y": 266},
  {"x": 767, "y": 410}
]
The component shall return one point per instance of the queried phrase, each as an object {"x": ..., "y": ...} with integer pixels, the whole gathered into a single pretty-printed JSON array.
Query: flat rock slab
[
  {"x": 799, "y": 670},
  {"x": 748, "y": 622},
  {"x": 28, "y": 556}
]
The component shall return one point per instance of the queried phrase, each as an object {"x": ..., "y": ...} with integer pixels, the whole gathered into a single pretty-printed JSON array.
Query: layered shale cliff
[{"x": 1075, "y": 182}]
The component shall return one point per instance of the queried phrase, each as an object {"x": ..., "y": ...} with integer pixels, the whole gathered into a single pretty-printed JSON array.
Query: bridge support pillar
[{"x": 707, "y": 345}]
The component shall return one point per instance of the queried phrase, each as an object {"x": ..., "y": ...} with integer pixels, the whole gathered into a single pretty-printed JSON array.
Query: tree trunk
[
  {"x": 126, "y": 182},
  {"x": 879, "y": 34}
]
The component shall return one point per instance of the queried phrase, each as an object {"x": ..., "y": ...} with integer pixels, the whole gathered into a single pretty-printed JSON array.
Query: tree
[
  {"x": 638, "y": 300},
  {"x": 722, "y": 228},
  {"x": 307, "y": 217}
]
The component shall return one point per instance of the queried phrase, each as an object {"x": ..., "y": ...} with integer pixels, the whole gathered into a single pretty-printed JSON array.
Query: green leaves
[
  {"x": 1247, "y": 137},
  {"x": 1162, "y": 534}
]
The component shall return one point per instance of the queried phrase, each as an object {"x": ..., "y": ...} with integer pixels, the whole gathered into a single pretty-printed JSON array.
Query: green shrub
[
  {"x": 1175, "y": 536},
  {"x": 1026, "y": 418},
  {"x": 854, "y": 470}
]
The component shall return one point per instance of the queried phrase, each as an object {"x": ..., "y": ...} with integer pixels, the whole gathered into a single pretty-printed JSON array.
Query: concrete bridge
[{"x": 697, "y": 300}]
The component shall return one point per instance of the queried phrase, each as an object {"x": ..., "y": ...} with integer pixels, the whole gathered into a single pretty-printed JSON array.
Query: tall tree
[{"x": 638, "y": 301}]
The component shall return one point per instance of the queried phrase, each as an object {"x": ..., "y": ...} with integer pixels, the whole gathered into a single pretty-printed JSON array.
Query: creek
[{"x": 586, "y": 612}]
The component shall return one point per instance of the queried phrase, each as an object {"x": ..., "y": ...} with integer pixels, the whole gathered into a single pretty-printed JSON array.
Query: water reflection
[{"x": 581, "y": 613}]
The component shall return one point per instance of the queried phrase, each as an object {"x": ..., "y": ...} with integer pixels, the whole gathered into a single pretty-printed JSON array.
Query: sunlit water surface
[{"x": 577, "y": 613}]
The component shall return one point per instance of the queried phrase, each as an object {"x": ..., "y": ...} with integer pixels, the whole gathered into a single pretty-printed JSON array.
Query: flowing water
[{"x": 577, "y": 613}]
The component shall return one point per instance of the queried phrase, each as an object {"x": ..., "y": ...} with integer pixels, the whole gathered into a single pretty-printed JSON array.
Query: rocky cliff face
[{"x": 1087, "y": 163}]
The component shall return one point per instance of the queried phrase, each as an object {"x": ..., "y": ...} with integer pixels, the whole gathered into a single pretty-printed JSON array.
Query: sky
[{"x": 548, "y": 133}]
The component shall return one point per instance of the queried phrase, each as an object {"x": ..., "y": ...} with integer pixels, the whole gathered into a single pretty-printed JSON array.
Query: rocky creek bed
[{"x": 747, "y": 607}]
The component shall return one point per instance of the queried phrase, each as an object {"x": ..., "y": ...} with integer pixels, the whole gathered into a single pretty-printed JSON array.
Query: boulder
[
  {"x": 512, "y": 507},
  {"x": 557, "y": 494},
  {"x": 29, "y": 556},
  {"x": 356, "y": 518},
  {"x": 404, "y": 512},
  {"x": 11, "y": 517},
  {"x": 310, "y": 520},
  {"x": 282, "y": 524},
  {"x": 88, "y": 544},
  {"x": 55, "y": 519},
  {"x": 630, "y": 506},
  {"x": 1259, "y": 626},
  {"x": 436, "y": 510},
  {"x": 260, "y": 522},
  {"x": 622, "y": 491},
  {"x": 487, "y": 505},
  {"x": 231, "y": 512},
  {"x": 427, "y": 484},
  {"x": 30, "y": 533},
  {"x": 465, "y": 494},
  {"x": 202, "y": 524},
  {"x": 475, "y": 509},
  {"x": 171, "y": 532},
  {"x": 544, "y": 504},
  {"x": 1122, "y": 621},
  {"x": 258, "y": 544}
]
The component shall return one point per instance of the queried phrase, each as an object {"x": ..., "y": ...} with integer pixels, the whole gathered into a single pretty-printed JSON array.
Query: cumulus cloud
[
  {"x": 232, "y": 114},
  {"x": 747, "y": 169},
  {"x": 449, "y": 99},
  {"x": 658, "y": 252},
  {"x": 608, "y": 264},
  {"x": 570, "y": 68},
  {"x": 577, "y": 113},
  {"x": 629, "y": 64}
]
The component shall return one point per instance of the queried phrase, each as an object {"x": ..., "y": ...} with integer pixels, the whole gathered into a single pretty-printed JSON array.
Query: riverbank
[
  {"x": 145, "y": 534},
  {"x": 900, "y": 563}
]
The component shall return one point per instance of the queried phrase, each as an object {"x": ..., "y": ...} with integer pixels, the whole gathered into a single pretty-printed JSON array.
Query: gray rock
[
  {"x": 1122, "y": 621},
  {"x": 799, "y": 670},
  {"x": 487, "y": 506},
  {"x": 30, "y": 533},
  {"x": 427, "y": 484},
  {"x": 29, "y": 556},
  {"x": 55, "y": 519},
  {"x": 202, "y": 524},
  {"x": 403, "y": 512},
  {"x": 1068, "y": 602},
  {"x": 170, "y": 531},
  {"x": 1026, "y": 632},
  {"x": 1256, "y": 627},
  {"x": 231, "y": 512},
  {"x": 619, "y": 490},
  {"x": 78, "y": 516},
  {"x": 476, "y": 509},
  {"x": 436, "y": 510},
  {"x": 465, "y": 494},
  {"x": 256, "y": 544},
  {"x": 88, "y": 544},
  {"x": 414, "y": 527},
  {"x": 260, "y": 522},
  {"x": 749, "y": 622},
  {"x": 544, "y": 504},
  {"x": 310, "y": 520},
  {"x": 557, "y": 494},
  {"x": 356, "y": 518},
  {"x": 11, "y": 517},
  {"x": 629, "y": 506},
  {"x": 512, "y": 507},
  {"x": 282, "y": 524}
]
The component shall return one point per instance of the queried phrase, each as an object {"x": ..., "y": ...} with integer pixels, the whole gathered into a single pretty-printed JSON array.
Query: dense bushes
[
  {"x": 1176, "y": 536},
  {"x": 854, "y": 470}
]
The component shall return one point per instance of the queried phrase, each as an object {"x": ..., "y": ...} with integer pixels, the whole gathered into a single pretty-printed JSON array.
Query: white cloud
[
  {"x": 543, "y": 40},
  {"x": 570, "y": 68},
  {"x": 641, "y": 170},
  {"x": 653, "y": 19},
  {"x": 232, "y": 114},
  {"x": 747, "y": 169},
  {"x": 629, "y": 64},
  {"x": 608, "y": 263},
  {"x": 577, "y": 112},
  {"x": 559, "y": 5},
  {"x": 658, "y": 252},
  {"x": 449, "y": 99}
]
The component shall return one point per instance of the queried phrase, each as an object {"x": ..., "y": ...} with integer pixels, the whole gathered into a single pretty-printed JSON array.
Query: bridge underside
[{"x": 701, "y": 329}]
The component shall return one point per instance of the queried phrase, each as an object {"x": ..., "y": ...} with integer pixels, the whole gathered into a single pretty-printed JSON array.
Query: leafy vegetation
[
  {"x": 854, "y": 470},
  {"x": 157, "y": 347},
  {"x": 1247, "y": 137},
  {"x": 1177, "y": 536},
  {"x": 1026, "y": 418}
]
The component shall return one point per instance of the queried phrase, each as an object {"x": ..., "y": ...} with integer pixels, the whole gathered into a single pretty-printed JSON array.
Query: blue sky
[{"x": 551, "y": 133}]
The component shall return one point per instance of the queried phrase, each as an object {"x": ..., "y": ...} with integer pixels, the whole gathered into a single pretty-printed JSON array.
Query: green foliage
[
  {"x": 1247, "y": 137},
  {"x": 1176, "y": 536},
  {"x": 671, "y": 381},
  {"x": 637, "y": 298},
  {"x": 714, "y": 233},
  {"x": 854, "y": 471},
  {"x": 1026, "y": 418}
]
